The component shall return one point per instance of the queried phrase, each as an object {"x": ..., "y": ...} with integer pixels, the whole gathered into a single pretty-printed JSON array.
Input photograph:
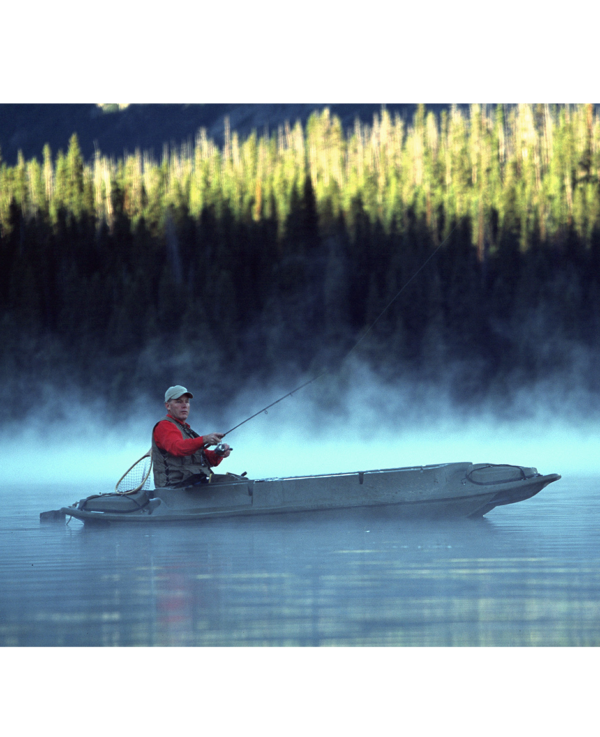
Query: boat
[{"x": 446, "y": 490}]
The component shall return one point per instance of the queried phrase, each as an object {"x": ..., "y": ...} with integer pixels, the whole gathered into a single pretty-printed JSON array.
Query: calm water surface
[{"x": 526, "y": 575}]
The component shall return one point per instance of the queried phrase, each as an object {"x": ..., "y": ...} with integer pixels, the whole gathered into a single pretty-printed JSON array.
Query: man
[{"x": 179, "y": 455}]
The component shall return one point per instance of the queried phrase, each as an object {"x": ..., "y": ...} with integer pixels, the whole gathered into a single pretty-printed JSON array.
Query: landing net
[{"x": 137, "y": 477}]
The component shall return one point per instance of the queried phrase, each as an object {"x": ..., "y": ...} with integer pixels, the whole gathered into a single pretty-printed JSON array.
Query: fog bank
[{"x": 331, "y": 426}]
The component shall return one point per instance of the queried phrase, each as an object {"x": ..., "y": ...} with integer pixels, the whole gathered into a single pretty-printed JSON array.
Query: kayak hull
[{"x": 448, "y": 490}]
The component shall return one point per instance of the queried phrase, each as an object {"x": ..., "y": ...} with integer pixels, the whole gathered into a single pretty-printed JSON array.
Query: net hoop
[{"x": 132, "y": 471}]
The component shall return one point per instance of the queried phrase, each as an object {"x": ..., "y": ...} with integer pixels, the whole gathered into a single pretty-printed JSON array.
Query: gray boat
[{"x": 447, "y": 490}]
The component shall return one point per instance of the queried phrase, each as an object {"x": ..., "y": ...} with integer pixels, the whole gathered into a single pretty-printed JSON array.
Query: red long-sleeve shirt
[{"x": 168, "y": 437}]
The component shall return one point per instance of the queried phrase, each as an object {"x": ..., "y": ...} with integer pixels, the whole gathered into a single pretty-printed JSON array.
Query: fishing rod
[
  {"x": 289, "y": 394},
  {"x": 362, "y": 337}
]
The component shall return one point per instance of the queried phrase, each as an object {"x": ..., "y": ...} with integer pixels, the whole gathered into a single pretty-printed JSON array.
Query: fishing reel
[{"x": 220, "y": 449}]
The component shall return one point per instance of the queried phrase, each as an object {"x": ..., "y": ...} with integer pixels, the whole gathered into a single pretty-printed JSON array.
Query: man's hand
[
  {"x": 212, "y": 438},
  {"x": 224, "y": 450}
]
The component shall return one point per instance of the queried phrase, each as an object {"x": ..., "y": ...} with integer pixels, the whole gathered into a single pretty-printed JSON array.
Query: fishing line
[{"x": 362, "y": 337}]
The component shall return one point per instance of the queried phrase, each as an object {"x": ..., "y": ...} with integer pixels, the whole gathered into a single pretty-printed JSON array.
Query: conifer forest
[{"x": 228, "y": 266}]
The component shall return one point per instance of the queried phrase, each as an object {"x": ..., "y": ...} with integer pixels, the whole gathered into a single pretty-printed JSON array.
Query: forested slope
[{"x": 270, "y": 256}]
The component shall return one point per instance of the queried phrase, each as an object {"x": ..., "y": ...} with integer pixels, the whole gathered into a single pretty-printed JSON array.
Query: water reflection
[{"x": 527, "y": 575}]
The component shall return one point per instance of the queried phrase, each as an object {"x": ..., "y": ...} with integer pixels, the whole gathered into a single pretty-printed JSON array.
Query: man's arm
[
  {"x": 213, "y": 458},
  {"x": 168, "y": 438}
]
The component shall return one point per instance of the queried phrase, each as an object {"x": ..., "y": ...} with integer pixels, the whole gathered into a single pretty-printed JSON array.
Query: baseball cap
[{"x": 174, "y": 392}]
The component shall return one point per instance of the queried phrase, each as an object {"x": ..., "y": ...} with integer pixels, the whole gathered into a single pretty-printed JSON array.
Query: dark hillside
[
  {"x": 113, "y": 130},
  {"x": 270, "y": 255}
]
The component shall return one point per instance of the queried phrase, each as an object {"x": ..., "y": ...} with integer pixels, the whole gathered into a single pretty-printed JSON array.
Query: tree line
[{"x": 272, "y": 255}]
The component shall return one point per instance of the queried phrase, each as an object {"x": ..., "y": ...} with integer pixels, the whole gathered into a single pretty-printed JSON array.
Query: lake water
[{"x": 526, "y": 575}]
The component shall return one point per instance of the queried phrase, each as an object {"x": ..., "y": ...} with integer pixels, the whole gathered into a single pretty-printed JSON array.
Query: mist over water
[
  {"x": 525, "y": 575},
  {"x": 330, "y": 426}
]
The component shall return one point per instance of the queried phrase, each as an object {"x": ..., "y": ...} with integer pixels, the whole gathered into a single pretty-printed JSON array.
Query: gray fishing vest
[{"x": 170, "y": 470}]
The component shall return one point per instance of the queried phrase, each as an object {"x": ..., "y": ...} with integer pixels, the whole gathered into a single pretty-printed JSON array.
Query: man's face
[{"x": 179, "y": 408}]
